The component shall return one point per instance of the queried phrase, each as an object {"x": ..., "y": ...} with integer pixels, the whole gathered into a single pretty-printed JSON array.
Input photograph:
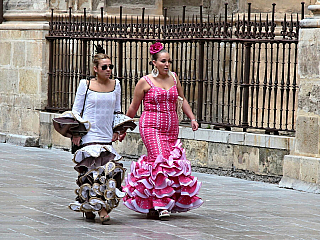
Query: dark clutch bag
[{"x": 69, "y": 127}]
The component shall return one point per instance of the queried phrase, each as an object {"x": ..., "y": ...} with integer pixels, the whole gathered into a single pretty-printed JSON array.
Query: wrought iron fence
[
  {"x": 1, "y": 11},
  {"x": 236, "y": 71}
]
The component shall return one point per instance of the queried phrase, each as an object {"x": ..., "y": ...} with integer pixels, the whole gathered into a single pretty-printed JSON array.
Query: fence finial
[
  {"x": 201, "y": 19},
  {"x": 302, "y": 10},
  {"x": 101, "y": 16},
  {"x": 1, "y": 11},
  {"x": 184, "y": 14}
]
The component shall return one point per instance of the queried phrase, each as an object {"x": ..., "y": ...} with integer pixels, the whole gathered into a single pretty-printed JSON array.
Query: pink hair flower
[{"x": 156, "y": 47}]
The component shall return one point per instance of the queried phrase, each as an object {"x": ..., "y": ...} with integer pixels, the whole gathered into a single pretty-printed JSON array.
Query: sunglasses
[{"x": 110, "y": 66}]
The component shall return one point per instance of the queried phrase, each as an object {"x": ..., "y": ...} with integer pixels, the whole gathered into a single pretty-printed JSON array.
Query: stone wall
[
  {"x": 31, "y": 5},
  {"x": 211, "y": 7},
  {"x": 77, "y": 5},
  {"x": 155, "y": 7},
  {"x": 287, "y": 6},
  {"x": 216, "y": 7},
  {"x": 308, "y": 115},
  {"x": 23, "y": 76},
  {"x": 152, "y": 7},
  {"x": 302, "y": 167}
]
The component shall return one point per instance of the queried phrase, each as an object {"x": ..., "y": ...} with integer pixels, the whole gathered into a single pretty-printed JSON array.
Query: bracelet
[{"x": 193, "y": 120}]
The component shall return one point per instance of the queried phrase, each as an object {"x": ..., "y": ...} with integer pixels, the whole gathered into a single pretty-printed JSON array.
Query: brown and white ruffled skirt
[{"x": 99, "y": 179}]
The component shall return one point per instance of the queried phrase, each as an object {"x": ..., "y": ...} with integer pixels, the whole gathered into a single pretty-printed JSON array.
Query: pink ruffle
[{"x": 162, "y": 184}]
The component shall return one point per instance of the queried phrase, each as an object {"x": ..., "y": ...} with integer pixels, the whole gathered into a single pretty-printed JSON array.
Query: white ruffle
[
  {"x": 94, "y": 151},
  {"x": 119, "y": 119},
  {"x": 77, "y": 117},
  {"x": 183, "y": 207}
]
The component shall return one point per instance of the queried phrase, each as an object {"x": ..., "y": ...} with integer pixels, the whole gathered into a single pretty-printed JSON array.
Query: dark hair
[
  {"x": 99, "y": 49},
  {"x": 156, "y": 55}
]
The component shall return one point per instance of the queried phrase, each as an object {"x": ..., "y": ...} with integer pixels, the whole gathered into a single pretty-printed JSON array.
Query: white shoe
[{"x": 164, "y": 215}]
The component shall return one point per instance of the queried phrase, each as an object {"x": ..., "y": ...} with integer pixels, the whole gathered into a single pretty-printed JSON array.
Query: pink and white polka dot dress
[{"x": 161, "y": 180}]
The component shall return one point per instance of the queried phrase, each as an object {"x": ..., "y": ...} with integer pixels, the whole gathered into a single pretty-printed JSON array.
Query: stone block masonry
[
  {"x": 23, "y": 75},
  {"x": 301, "y": 168}
]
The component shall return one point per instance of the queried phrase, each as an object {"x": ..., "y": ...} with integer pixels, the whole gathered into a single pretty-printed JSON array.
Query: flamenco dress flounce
[
  {"x": 162, "y": 184},
  {"x": 99, "y": 179}
]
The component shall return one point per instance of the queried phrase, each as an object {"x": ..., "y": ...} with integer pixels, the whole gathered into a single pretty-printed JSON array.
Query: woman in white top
[{"x": 100, "y": 174}]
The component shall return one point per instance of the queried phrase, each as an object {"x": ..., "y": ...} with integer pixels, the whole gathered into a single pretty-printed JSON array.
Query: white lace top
[{"x": 99, "y": 109}]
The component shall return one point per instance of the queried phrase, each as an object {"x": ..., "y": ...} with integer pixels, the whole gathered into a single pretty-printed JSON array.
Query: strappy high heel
[{"x": 105, "y": 218}]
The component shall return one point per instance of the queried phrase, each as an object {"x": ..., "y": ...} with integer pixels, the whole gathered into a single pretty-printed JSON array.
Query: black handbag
[{"x": 70, "y": 127}]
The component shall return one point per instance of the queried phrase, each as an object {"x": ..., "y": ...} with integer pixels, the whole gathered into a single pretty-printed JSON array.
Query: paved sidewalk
[{"x": 36, "y": 185}]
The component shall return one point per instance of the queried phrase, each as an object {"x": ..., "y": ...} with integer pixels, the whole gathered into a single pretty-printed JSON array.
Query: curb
[{"x": 20, "y": 140}]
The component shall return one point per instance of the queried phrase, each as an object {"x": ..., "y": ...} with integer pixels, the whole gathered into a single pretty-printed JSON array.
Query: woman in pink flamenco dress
[{"x": 161, "y": 182}]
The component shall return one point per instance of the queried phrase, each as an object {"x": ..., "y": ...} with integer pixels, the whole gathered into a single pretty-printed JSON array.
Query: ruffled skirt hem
[
  {"x": 99, "y": 179},
  {"x": 162, "y": 184}
]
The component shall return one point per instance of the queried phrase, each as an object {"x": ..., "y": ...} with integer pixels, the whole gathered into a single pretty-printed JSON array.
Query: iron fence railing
[
  {"x": 1, "y": 11},
  {"x": 236, "y": 71}
]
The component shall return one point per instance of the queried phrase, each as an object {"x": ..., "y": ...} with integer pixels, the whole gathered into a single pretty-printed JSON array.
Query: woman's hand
[
  {"x": 194, "y": 125},
  {"x": 122, "y": 136},
  {"x": 115, "y": 136},
  {"x": 76, "y": 140}
]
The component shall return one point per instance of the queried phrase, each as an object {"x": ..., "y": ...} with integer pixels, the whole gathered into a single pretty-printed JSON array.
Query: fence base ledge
[
  {"x": 205, "y": 148},
  {"x": 23, "y": 25}
]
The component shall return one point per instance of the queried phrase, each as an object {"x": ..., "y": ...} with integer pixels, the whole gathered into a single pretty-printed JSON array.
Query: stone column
[
  {"x": 23, "y": 66},
  {"x": 301, "y": 169}
]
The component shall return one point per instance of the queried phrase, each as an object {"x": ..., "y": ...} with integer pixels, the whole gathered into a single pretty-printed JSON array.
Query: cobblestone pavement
[{"x": 36, "y": 185}]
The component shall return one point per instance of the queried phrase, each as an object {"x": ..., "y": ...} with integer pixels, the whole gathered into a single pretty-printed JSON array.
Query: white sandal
[{"x": 164, "y": 214}]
